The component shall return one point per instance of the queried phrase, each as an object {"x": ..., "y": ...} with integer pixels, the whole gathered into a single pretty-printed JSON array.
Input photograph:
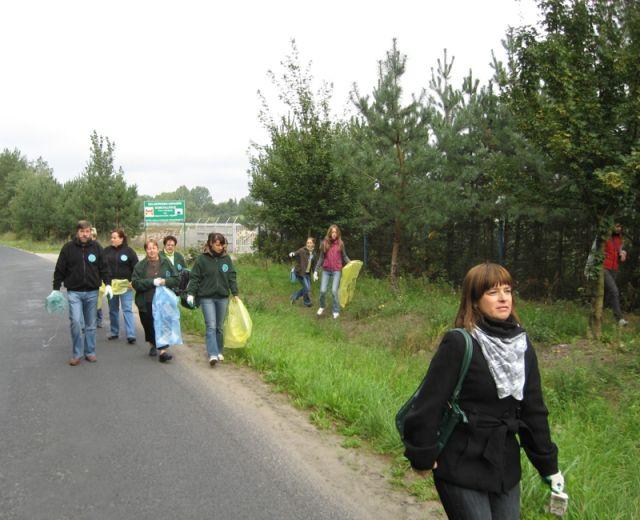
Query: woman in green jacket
[
  {"x": 212, "y": 279},
  {"x": 151, "y": 272}
]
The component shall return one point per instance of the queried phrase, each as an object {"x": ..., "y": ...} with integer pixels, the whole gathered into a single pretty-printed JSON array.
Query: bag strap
[{"x": 466, "y": 361}]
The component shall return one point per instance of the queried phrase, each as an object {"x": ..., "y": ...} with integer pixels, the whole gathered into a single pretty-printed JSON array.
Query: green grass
[
  {"x": 353, "y": 374},
  {"x": 10, "y": 240}
]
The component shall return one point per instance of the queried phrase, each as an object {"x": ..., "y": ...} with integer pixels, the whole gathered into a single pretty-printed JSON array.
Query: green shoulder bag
[{"x": 453, "y": 414}]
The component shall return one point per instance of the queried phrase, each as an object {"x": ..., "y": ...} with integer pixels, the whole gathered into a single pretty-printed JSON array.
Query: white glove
[
  {"x": 556, "y": 482},
  {"x": 291, "y": 255},
  {"x": 315, "y": 276},
  {"x": 156, "y": 281},
  {"x": 190, "y": 300},
  {"x": 108, "y": 291}
]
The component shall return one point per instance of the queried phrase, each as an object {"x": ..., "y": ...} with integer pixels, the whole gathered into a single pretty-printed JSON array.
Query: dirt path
[{"x": 357, "y": 476}]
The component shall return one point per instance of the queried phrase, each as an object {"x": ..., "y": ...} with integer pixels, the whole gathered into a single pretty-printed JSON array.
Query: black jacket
[
  {"x": 120, "y": 260},
  {"x": 81, "y": 267},
  {"x": 483, "y": 454}
]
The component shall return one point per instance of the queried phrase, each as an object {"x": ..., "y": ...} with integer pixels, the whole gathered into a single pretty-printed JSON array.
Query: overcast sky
[{"x": 174, "y": 84}]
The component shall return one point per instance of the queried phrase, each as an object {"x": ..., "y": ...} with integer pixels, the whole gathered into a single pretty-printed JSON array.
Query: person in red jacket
[{"x": 613, "y": 255}]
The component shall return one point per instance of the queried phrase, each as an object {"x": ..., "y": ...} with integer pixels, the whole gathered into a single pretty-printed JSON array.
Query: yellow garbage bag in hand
[
  {"x": 237, "y": 326},
  {"x": 100, "y": 296},
  {"x": 348, "y": 279},
  {"x": 119, "y": 286}
]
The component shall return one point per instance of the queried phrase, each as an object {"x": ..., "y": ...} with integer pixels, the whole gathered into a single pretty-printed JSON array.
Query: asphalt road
[{"x": 126, "y": 437}]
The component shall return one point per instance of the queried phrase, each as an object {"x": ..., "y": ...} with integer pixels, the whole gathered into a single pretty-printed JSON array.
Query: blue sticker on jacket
[
  {"x": 124, "y": 258},
  {"x": 167, "y": 274},
  {"x": 91, "y": 258},
  {"x": 225, "y": 268},
  {"x": 179, "y": 266}
]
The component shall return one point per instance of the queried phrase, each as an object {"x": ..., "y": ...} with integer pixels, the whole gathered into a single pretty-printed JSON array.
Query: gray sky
[{"x": 174, "y": 84}]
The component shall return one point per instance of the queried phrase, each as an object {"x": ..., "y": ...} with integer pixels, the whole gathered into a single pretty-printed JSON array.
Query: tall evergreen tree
[{"x": 394, "y": 156}]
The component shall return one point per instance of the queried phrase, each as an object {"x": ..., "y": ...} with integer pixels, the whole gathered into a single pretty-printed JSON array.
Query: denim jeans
[
  {"x": 126, "y": 300},
  {"x": 214, "y": 311},
  {"x": 324, "y": 284},
  {"x": 82, "y": 318},
  {"x": 305, "y": 280},
  {"x": 469, "y": 504}
]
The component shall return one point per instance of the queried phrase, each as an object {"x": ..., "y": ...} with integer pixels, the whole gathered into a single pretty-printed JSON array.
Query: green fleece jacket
[
  {"x": 142, "y": 284},
  {"x": 212, "y": 276}
]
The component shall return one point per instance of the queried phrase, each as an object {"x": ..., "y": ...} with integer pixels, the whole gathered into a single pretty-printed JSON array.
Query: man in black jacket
[{"x": 81, "y": 267}]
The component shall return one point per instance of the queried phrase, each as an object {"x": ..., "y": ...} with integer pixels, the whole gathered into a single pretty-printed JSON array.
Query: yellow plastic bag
[
  {"x": 348, "y": 282},
  {"x": 237, "y": 326},
  {"x": 119, "y": 286}
]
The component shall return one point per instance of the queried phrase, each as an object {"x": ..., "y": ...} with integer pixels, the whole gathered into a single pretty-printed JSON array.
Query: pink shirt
[{"x": 333, "y": 258}]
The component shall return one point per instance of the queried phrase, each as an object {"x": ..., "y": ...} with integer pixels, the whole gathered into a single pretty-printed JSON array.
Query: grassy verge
[
  {"x": 10, "y": 240},
  {"x": 354, "y": 373}
]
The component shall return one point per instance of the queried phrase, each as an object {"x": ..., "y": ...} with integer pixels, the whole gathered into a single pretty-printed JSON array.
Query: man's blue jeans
[
  {"x": 126, "y": 300},
  {"x": 305, "y": 280},
  {"x": 82, "y": 315},
  {"x": 214, "y": 311},
  {"x": 324, "y": 284}
]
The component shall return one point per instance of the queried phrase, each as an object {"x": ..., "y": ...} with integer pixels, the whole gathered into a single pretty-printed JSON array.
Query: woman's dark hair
[
  {"x": 477, "y": 281},
  {"x": 120, "y": 232},
  {"x": 212, "y": 239},
  {"x": 169, "y": 237}
]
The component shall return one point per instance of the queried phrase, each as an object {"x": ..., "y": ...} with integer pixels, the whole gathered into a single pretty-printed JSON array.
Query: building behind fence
[{"x": 193, "y": 234}]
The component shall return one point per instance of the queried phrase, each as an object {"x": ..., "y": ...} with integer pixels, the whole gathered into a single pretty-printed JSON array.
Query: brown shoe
[
  {"x": 74, "y": 362},
  {"x": 91, "y": 358}
]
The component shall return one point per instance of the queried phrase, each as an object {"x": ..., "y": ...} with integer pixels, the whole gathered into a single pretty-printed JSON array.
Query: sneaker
[
  {"x": 112, "y": 337},
  {"x": 220, "y": 358},
  {"x": 131, "y": 341},
  {"x": 74, "y": 362},
  {"x": 320, "y": 311},
  {"x": 153, "y": 351},
  {"x": 91, "y": 358},
  {"x": 622, "y": 322},
  {"x": 98, "y": 325},
  {"x": 293, "y": 300},
  {"x": 164, "y": 357},
  {"x": 213, "y": 360},
  {"x": 335, "y": 315}
]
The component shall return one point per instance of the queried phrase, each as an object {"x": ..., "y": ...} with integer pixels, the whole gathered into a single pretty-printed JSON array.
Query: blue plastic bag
[
  {"x": 166, "y": 317},
  {"x": 56, "y": 303}
]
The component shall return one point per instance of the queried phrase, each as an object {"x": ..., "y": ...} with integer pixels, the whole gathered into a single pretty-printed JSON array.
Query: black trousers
[
  {"x": 468, "y": 504},
  {"x": 146, "y": 317}
]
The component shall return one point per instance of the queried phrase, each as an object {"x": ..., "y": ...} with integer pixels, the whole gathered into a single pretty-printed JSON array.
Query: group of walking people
[
  {"x": 332, "y": 258},
  {"x": 83, "y": 265},
  {"x": 477, "y": 472}
]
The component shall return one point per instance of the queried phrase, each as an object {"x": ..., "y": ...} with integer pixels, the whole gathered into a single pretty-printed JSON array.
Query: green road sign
[{"x": 164, "y": 211}]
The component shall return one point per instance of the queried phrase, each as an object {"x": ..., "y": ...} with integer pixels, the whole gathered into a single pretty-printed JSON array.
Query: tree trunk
[
  {"x": 397, "y": 225},
  {"x": 598, "y": 304}
]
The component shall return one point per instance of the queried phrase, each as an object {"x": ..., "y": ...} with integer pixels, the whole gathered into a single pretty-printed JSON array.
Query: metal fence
[{"x": 193, "y": 234}]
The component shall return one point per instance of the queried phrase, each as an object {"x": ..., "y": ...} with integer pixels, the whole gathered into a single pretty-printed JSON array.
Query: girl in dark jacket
[
  {"x": 303, "y": 268},
  {"x": 477, "y": 474},
  {"x": 121, "y": 260},
  {"x": 151, "y": 272},
  {"x": 212, "y": 279},
  {"x": 333, "y": 257}
]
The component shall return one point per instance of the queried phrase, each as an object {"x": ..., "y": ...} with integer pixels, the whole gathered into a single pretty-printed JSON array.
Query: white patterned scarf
[{"x": 505, "y": 357}]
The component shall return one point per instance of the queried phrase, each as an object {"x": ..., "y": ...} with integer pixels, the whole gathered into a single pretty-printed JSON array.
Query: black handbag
[{"x": 452, "y": 414}]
